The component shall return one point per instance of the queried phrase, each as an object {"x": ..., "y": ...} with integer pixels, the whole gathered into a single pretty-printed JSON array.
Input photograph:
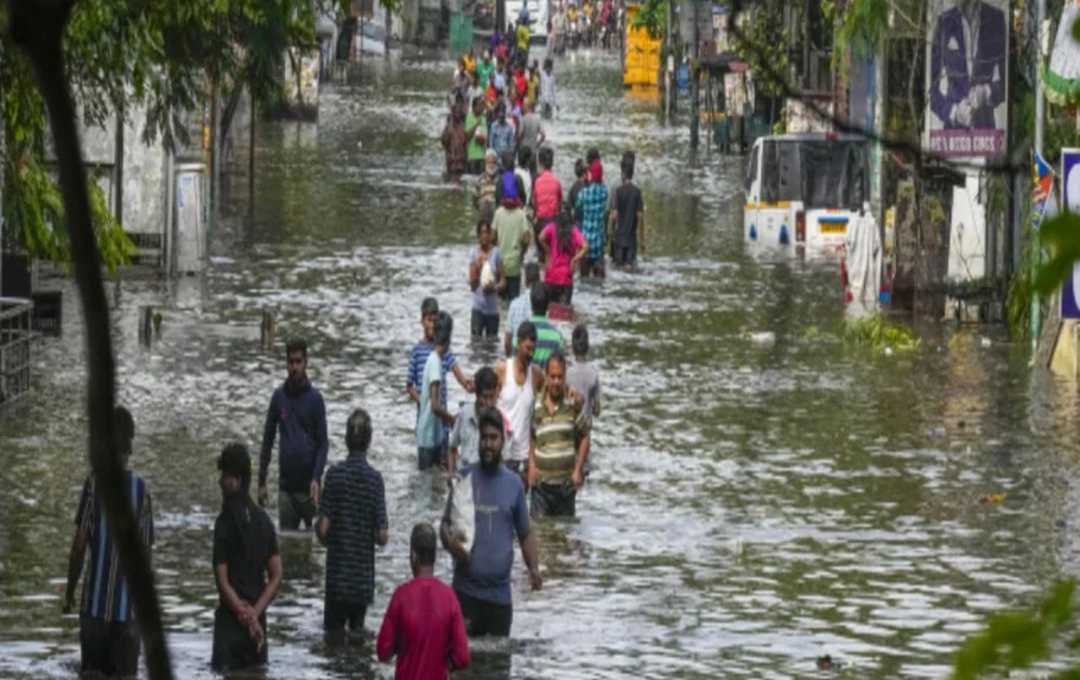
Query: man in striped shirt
[
  {"x": 107, "y": 632},
  {"x": 560, "y": 445},
  {"x": 429, "y": 310},
  {"x": 352, "y": 521},
  {"x": 548, "y": 338}
]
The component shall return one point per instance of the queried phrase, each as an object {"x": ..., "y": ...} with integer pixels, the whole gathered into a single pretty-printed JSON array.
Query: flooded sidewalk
[{"x": 751, "y": 506}]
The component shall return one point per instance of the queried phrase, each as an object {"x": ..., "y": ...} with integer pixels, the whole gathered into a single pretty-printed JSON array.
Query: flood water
[{"x": 752, "y": 505}]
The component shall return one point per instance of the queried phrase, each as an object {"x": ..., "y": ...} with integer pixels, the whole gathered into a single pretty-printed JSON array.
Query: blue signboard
[{"x": 1070, "y": 200}]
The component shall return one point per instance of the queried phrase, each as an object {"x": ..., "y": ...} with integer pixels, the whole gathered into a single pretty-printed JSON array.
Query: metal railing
[{"x": 16, "y": 342}]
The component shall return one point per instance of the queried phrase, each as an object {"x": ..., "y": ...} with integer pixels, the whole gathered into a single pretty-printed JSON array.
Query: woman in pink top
[{"x": 563, "y": 247}]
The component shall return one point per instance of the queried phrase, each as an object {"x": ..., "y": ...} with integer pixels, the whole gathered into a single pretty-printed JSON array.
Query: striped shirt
[
  {"x": 105, "y": 592},
  {"x": 592, "y": 201},
  {"x": 354, "y": 501},
  {"x": 548, "y": 341},
  {"x": 416, "y": 368},
  {"x": 557, "y": 435},
  {"x": 519, "y": 312}
]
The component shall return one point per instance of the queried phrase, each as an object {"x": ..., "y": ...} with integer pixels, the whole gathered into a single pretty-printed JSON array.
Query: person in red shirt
[
  {"x": 521, "y": 85},
  {"x": 547, "y": 194},
  {"x": 423, "y": 626}
]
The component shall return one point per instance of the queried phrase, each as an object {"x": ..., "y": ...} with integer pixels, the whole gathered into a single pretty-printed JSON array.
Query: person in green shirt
[
  {"x": 484, "y": 69},
  {"x": 476, "y": 132},
  {"x": 513, "y": 234}
]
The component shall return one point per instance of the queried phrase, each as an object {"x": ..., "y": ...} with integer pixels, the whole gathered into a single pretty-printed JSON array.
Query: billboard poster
[
  {"x": 967, "y": 76},
  {"x": 1070, "y": 200}
]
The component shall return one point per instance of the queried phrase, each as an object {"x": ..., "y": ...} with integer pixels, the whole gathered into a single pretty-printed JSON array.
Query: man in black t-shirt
[
  {"x": 579, "y": 183},
  {"x": 627, "y": 221},
  {"x": 245, "y": 553}
]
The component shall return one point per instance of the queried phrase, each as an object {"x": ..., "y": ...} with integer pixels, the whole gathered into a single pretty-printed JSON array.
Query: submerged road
[{"x": 752, "y": 506}]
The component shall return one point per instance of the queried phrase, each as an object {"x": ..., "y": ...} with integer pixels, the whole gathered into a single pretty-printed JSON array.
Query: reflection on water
[{"x": 751, "y": 506}]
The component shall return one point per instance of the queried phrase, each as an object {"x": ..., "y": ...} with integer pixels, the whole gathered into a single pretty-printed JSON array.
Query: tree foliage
[
  {"x": 859, "y": 26},
  {"x": 652, "y": 16},
  {"x": 160, "y": 56},
  {"x": 765, "y": 45},
  {"x": 1021, "y": 639}
]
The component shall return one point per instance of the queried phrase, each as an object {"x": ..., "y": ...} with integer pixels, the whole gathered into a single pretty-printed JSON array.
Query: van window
[
  {"x": 779, "y": 171},
  {"x": 839, "y": 174},
  {"x": 820, "y": 173}
]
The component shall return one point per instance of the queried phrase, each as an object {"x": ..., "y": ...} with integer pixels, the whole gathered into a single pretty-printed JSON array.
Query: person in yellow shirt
[
  {"x": 523, "y": 35},
  {"x": 534, "y": 83},
  {"x": 470, "y": 62}
]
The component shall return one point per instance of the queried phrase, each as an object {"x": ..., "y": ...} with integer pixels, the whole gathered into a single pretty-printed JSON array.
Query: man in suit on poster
[{"x": 967, "y": 65}]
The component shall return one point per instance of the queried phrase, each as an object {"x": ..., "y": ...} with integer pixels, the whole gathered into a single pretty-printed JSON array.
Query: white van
[
  {"x": 805, "y": 188},
  {"x": 539, "y": 11}
]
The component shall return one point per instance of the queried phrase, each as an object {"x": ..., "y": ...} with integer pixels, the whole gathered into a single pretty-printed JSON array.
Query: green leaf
[{"x": 1061, "y": 234}]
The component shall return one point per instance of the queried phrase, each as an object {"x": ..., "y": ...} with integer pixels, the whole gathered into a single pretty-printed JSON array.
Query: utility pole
[
  {"x": 1040, "y": 105},
  {"x": 806, "y": 47},
  {"x": 695, "y": 94},
  {"x": 669, "y": 61},
  {"x": 215, "y": 158},
  {"x": 3, "y": 250},
  {"x": 251, "y": 158},
  {"x": 118, "y": 166}
]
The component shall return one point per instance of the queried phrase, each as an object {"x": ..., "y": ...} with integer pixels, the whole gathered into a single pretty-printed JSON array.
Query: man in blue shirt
[
  {"x": 431, "y": 436},
  {"x": 482, "y": 575},
  {"x": 107, "y": 633},
  {"x": 352, "y": 521},
  {"x": 298, "y": 413},
  {"x": 429, "y": 310},
  {"x": 501, "y": 136}
]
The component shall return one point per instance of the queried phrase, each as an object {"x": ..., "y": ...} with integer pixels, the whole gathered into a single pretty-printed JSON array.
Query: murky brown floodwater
[{"x": 751, "y": 507}]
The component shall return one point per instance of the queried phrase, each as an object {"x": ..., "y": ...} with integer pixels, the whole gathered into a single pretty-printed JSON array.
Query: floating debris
[{"x": 826, "y": 663}]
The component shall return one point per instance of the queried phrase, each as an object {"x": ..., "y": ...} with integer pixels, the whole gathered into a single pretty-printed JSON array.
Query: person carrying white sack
[{"x": 486, "y": 280}]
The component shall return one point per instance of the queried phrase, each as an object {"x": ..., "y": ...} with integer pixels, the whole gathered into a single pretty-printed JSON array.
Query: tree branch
[{"x": 37, "y": 27}]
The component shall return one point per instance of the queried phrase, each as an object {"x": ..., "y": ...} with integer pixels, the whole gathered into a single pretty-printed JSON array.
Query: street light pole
[
  {"x": 1040, "y": 105},
  {"x": 669, "y": 60}
]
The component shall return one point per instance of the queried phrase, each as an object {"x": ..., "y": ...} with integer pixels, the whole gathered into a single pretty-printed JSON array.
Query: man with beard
[
  {"x": 245, "y": 554},
  {"x": 482, "y": 575},
  {"x": 560, "y": 446},
  {"x": 298, "y": 412}
]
